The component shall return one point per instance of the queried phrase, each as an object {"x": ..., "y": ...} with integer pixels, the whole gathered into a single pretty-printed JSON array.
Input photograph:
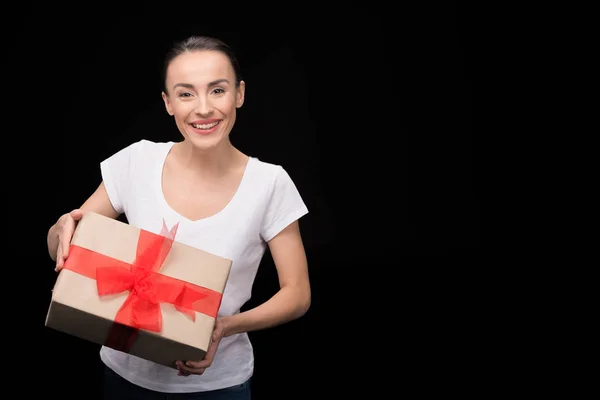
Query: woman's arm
[{"x": 294, "y": 296}]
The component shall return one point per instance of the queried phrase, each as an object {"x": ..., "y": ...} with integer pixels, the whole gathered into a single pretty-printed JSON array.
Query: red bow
[{"x": 148, "y": 288}]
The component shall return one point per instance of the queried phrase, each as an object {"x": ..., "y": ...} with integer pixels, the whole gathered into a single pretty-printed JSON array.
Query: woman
[{"x": 226, "y": 203}]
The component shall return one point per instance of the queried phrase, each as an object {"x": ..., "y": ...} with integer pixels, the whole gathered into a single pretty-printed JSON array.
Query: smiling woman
[{"x": 224, "y": 202}]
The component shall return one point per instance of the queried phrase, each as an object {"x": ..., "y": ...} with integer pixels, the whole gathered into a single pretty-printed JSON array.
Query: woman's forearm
[{"x": 289, "y": 303}]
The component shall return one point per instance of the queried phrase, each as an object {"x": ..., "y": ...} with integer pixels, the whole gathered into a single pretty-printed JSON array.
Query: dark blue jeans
[{"x": 117, "y": 388}]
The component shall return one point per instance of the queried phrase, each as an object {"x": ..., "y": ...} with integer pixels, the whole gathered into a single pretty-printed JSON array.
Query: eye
[
  {"x": 218, "y": 91},
  {"x": 184, "y": 94}
]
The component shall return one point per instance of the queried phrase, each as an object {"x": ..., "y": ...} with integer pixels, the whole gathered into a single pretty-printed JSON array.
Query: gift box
[{"x": 138, "y": 292}]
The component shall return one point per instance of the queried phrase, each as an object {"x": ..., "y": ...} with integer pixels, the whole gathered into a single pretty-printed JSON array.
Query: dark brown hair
[{"x": 196, "y": 43}]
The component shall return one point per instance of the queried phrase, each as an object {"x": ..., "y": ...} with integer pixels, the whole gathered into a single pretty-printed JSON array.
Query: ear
[
  {"x": 240, "y": 93},
  {"x": 167, "y": 103}
]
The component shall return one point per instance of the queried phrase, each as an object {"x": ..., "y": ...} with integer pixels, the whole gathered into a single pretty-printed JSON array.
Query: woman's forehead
[{"x": 198, "y": 64}]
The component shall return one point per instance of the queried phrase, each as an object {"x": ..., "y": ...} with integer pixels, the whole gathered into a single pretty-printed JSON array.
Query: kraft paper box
[{"x": 138, "y": 292}]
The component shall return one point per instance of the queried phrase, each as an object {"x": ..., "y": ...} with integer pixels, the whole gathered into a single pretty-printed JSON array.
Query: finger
[
  {"x": 59, "y": 257},
  {"x": 76, "y": 214},
  {"x": 69, "y": 229},
  {"x": 59, "y": 262},
  {"x": 195, "y": 364},
  {"x": 65, "y": 237},
  {"x": 208, "y": 357},
  {"x": 62, "y": 252},
  {"x": 185, "y": 371},
  {"x": 65, "y": 243},
  {"x": 204, "y": 363},
  {"x": 189, "y": 369}
]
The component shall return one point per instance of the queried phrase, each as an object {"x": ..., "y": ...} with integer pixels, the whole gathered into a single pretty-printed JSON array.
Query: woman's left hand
[{"x": 187, "y": 368}]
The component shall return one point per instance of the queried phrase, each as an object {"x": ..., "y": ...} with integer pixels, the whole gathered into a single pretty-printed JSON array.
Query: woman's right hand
[{"x": 64, "y": 229}]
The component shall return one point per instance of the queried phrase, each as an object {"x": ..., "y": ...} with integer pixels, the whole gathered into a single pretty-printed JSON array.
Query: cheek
[
  {"x": 232, "y": 105},
  {"x": 181, "y": 110}
]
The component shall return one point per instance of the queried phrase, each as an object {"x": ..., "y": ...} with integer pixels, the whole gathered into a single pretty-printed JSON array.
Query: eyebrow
[{"x": 210, "y": 84}]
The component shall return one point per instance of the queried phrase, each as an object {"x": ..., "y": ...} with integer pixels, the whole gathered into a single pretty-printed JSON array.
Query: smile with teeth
[{"x": 205, "y": 126}]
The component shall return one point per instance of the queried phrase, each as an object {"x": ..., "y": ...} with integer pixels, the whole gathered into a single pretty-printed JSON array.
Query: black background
[{"x": 369, "y": 109}]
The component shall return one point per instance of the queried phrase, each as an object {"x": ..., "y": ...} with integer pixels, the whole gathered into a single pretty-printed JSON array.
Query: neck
[{"x": 212, "y": 162}]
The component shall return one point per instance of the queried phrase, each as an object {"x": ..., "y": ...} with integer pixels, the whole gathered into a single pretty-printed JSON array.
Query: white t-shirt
[{"x": 266, "y": 202}]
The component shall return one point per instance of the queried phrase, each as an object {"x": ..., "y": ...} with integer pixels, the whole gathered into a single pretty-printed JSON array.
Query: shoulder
[
  {"x": 146, "y": 148},
  {"x": 272, "y": 179},
  {"x": 139, "y": 154},
  {"x": 269, "y": 173},
  {"x": 265, "y": 168},
  {"x": 149, "y": 145}
]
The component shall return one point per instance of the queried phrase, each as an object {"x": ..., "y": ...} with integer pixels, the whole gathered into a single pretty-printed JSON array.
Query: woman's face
[{"x": 202, "y": 96}]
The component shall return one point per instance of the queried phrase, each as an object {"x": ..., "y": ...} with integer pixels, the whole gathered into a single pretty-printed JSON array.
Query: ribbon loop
[{"x": 112, "y": 280}]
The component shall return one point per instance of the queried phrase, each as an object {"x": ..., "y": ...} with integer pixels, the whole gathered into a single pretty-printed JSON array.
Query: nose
[{"x": 203, "y": 107}]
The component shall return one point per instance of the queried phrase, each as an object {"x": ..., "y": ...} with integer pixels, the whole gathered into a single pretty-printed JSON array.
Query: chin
[{"x": 205, "y": 142}]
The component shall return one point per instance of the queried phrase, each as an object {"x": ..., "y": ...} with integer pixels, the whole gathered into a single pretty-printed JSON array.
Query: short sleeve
[
  {"x": 116, "y": 173},
  {"x": 284, "y": 207}
]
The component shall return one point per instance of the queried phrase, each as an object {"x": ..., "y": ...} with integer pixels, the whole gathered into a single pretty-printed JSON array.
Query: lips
[{"x": 205, "y": 127}]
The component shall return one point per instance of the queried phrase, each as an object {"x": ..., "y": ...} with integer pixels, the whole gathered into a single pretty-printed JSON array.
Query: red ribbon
[{"x": 147, "y": 287}]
